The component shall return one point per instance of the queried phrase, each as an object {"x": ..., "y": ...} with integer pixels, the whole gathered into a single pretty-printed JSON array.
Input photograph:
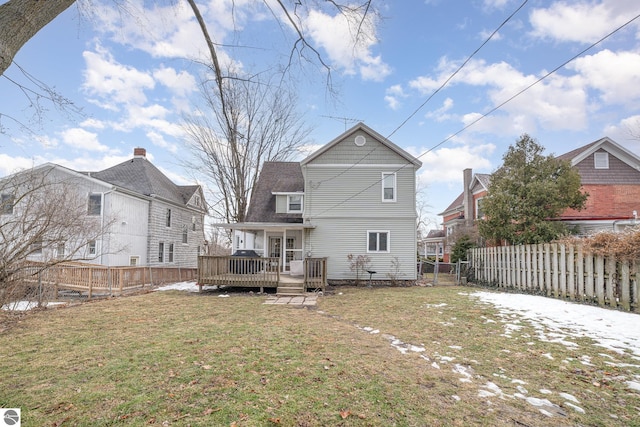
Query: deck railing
[
  {"x": 255, "y": 272},
  {"x": 238, "y": 271},
  {"x": 101, "y": 279}
]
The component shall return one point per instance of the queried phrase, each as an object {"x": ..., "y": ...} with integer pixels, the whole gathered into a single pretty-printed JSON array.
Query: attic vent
[
  {"x": 360, "y": 140},
  {"x": 601, "y": 160}
]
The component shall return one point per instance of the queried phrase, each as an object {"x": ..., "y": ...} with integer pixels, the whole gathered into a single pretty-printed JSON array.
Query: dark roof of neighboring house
[
  {"x": 435, "y": 233},
  {"x": 456, "y": 204},
  {"x": 574, "y": 153},
  {"x": 279, "y": 177},
  {"x": 141, "y": 176},
  {"x": 484, "y": 179}
]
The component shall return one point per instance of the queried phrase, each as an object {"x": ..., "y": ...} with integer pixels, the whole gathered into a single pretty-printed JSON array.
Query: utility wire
[
  {"x": 502, "y": 104},
  {"x": 466, "y": 61}
]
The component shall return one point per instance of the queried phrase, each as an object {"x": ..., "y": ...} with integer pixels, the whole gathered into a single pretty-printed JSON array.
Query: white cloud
[
  {"x": 348, "y": 43},
  {"x": 158, "y": 139},
  {"x": 93, "y": 124},
  {"x": 445, "y": 165},
  {"x": 580, "y": 21},
  {"x": 12, "y": 164},
  {"x": 82, "y": 139},
  {"x": 393, "y": 95},
  {"x": 181, "y": 83},
  {"x": 614, "y": 74},
  {"x": 109, "y": 79}
]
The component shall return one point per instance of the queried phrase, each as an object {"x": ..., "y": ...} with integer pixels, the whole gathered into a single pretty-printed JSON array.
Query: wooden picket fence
[{"x": 561, "y": 271}]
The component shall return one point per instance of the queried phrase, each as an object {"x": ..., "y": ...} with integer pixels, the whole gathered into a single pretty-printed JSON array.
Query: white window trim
[
  {"x": 395, "y": 187},
  {"x": 477, "y": 202},
  {"x": 289, "y": 203},
  {"x": 388, "y": 233},
  {"x": 604, "y": 160},
  {"x": 101, "y": 204}
]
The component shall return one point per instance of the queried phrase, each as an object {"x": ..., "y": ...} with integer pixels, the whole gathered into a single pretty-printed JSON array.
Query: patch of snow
[
  {"x": 185, "y": 286},
  {"x": 611, "y": 329},
  {"x": 442, "y": 304},
  {"x": 224, "y": 296},
  {"x": 455, "y": 347},
  {"x": 435, "y": 365},
  {"x": 465, "y": 371},
  {"x": 522, "y": 389},
  {"x": 447, "y": 359},
  {"x": 569, "y": 397},
  {"x": 545, "y": 391},
  {"x": 485, "y": 393},
  {"x": 633, "y": 385},
  {"x": 548, "y": 356},
  {"x": 515, "y": 381},
  {"x": 575, "y": 407},
  {"x": 456, "y": 398},
  {"x": 28, "y": 305}
]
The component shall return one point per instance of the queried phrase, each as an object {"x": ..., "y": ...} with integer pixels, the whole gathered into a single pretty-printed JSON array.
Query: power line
[
  {"x": 466, "y": 61},
  {"x": 492, "y": 110}
]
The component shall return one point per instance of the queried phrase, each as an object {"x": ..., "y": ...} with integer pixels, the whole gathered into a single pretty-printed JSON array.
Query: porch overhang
[{"x": 269, "y": 226}]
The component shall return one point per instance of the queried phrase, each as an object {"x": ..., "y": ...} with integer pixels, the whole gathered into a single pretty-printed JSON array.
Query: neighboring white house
[
  {"x": 148, "y": 220},
  {"x": 354, "y": 196}
]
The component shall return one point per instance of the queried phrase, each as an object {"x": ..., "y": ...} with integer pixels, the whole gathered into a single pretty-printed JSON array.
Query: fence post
[
  {"x": 600, "y": 279},
  {"x": 547, "y": 268},
  {"x": 625, "y": 299},
  {"x": 580, "y": 291},
  {"x": 571, "y": 271},
  {"x": 563, "y": 271}
]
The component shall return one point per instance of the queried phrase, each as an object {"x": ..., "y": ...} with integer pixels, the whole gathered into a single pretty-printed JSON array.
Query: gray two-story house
[{"x": 354, "y": 196}]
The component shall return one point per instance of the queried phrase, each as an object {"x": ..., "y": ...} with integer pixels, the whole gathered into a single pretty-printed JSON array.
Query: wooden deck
[{"x": 260, "y": 273}]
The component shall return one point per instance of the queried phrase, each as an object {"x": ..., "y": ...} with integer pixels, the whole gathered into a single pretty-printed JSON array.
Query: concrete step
[{"x": 290, "y": 290}]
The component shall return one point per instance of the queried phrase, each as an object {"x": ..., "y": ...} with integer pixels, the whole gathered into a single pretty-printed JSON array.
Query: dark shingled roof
[
  {"x": 284, "y": 177},
  {"x": 141, "y": 176},
  {"x": 436, "y": 233}
]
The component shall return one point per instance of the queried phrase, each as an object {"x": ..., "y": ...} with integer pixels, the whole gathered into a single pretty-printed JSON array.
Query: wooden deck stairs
[{"x": 290, "y": 286}]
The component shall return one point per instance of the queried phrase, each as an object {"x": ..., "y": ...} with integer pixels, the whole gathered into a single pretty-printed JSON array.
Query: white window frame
[
  {"x": 93, "y": 247},
  {"x": 378, "y": 233},
  {"x": 601, "y": 160},
  {"x": 478, "y": 203},
  {"x": 134, "y": 261},
  {"x": 6, "y": 204},
  {"x": 289, "y": 197},
  {"x": 170, "y": 252},
  {"x": 395, "y": 187},
  {"x": 91, "y": 206},
  {"x": 161, "y": 252}
]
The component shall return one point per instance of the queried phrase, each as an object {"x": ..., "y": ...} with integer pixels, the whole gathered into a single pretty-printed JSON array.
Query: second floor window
[
  {"x": 168, "y": 223},
  {"x": 479, "y": 211},
  {"x": 294, "y": 203},
  {"x": 95, "y": 204},
  {"x": 6, "y": 204},
  {"x": 388, "y": 187}
]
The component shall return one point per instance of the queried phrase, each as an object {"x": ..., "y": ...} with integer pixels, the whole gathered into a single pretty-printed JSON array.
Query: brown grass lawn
[{"x": 175, "y": 358}]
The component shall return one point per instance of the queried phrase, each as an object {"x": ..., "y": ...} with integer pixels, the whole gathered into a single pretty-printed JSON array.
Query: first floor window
[
  {"x": 170, "y": 252},
  {"x": 36, "y": 247},
  {"x": 60, "y": 251},
  {"x": 134, "y": 261},
  {"x": 160, "y": 252},
  {"x": 6, "y": 204},
  {"x": 92, "y": 247},
  {"x": 377, "y": 241},
  {"x": 185, "y": 234}
]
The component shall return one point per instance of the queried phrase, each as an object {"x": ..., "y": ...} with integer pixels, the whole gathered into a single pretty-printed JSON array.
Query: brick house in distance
[{"x": 609, "y": 173}]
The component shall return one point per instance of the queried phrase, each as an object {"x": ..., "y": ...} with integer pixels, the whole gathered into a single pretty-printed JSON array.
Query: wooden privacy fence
[
  {"x": 561, "y": 271},
  {"x": 101, "y": 279}
]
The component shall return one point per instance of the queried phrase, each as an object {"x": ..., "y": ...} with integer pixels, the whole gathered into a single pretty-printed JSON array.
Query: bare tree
[
  {"x": 43, "y": 222},
  {"x": 244, "y": 125}
]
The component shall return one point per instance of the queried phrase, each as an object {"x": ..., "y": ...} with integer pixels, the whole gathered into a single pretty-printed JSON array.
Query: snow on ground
[
  {"x": 185, "y": 286},
  {"x": 28, "y": 305},
  {"x": 615, "y": 330},
  {"x": 554, "y": 321}
]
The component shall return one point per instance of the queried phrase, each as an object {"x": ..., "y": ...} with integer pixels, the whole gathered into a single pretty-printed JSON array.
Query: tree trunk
[{"x": 22, "y": 19}]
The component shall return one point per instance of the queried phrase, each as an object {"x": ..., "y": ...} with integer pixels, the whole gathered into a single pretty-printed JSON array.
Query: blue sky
[{"x": 130, "y": 74}]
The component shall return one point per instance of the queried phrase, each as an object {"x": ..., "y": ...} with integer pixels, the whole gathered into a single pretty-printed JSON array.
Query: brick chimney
[
  {"x": 468, "y": 197},
  {"x": 139, "y": 152}
]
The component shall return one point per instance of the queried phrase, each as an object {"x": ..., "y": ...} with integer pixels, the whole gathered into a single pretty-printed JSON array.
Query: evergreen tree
[{"x": 527, "y": 195}]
